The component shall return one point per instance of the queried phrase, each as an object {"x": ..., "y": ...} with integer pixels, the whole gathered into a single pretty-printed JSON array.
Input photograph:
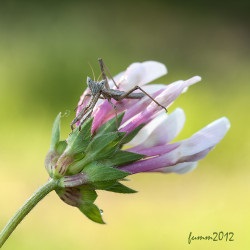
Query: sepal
[
  {"x": 112, "y": 125},
  {"x": 78, "y": 140},
  {"x": 97, "y": 172},
  {"x": 132, "y": 134},
  {"x": 55, "y": 138},
  {"x": 82, "y": 197},
  {"x": 103, "y": 146},
  {"x": 117, "y": 187},
  {"x": 73, "y": 180},
  {"x": 92, "y": 212}
]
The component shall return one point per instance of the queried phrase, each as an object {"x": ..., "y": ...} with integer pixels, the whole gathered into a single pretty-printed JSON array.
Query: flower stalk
[{"x": 25, "y": 209}]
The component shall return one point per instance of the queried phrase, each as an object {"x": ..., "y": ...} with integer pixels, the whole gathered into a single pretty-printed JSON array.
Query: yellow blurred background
[{"x": 45, "y": 52}]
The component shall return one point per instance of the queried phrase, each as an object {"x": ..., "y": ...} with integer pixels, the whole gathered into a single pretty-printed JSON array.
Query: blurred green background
[{"x": 45, "y": 49}]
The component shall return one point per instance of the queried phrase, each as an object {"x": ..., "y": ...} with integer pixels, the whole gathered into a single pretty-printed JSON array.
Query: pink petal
[
  {"x": 165, "y": 98},
  {"x": 173, "y": 90},
  {"x": 154, "y": 151}
]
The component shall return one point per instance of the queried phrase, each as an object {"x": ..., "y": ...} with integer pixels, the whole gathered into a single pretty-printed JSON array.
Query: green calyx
[{"x": 86, "y": 162}]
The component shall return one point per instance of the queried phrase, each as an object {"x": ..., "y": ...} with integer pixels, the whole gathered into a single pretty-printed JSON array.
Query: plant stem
[{"x": 25, "y": 209}]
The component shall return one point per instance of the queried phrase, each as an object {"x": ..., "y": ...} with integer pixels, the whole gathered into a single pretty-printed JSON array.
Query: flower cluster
[{"x": 135, "y": 137}]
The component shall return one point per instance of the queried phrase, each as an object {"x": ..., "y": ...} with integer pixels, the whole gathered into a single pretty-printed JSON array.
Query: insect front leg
[{"x": 104, "y": 76}]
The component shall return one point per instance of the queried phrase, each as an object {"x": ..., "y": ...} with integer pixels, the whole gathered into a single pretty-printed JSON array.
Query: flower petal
[
  {"x": 161, "y": 130},
  {"x": 165, "y": 98},
  {"x": 141, "y": 73},
  {"x": 190, "y": 150},
  {"x": 207, "y": 137},
  {"x": 173, "y": 90},
  {"x": 180, "y": 168}
]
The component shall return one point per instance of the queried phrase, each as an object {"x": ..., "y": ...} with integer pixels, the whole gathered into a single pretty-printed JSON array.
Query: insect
[{"x": 102, "y": 90}]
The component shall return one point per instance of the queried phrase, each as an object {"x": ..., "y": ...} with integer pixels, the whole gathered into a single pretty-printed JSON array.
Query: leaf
[
  {"x": 55, "y": 132},
  {"x": 88, "y": 194},
  {"x": 96, "y": 173},
  {"x": 124, "y": 157},
  {"x": 103, "y": 146},
  {"x": 92, "y": 212},
  {"x": 75, "y": 196},
  {"x": 88, "y": 207},
  {"x": 113, "y": 186},
  {"x": 103, "y": 185},
  {"x": 77, "y": 165},
  {"x": 132, "y": 134},
  {"x": 61, "y": 146},
  {"x": 117, "y": 187},
  {"x": 112, "y": 125},
  {"x": 78, "y": 140}
]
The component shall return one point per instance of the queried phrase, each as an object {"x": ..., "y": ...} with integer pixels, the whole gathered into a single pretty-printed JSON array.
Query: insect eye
[
  {"x": 102, "y": 82},
  {"x": 89, "y": 81}
]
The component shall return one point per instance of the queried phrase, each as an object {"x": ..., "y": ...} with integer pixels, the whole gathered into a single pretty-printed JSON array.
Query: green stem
[{"x": 25, "y": 209}]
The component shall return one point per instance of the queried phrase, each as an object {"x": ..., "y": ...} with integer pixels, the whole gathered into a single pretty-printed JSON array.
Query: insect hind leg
[{"x": 126, "y": 95}]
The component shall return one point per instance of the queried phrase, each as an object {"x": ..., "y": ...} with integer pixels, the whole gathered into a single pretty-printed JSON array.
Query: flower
[{"x": 135, "y": 137}]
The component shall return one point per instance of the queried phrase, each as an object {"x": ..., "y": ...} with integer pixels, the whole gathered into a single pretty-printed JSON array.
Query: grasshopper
[{"x": 102, "y": 90}]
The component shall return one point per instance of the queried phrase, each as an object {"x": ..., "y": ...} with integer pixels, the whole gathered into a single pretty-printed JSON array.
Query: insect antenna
[
  {"x": 99, "y": 76},
  {"x": 93, "y": 73}
]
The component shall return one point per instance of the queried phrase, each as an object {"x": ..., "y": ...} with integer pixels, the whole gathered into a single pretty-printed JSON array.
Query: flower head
[{"x": 135, "y": 137}]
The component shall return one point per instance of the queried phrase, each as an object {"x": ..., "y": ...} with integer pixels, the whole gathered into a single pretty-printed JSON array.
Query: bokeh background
[{"x": 45, "y": 51}]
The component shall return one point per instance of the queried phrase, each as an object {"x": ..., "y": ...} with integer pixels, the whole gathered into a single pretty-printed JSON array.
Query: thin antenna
[
  {"x": 99, "y": 77},
  {"x": 93, "y": 73}
]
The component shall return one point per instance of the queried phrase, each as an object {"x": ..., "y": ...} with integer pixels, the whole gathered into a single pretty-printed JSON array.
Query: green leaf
[
  {"x": 113, "y": 186},
  {"x": 75, "y": 196},
  {"x": 55, "y": 132},
  {"x": 103, "y": 185},
  {"x": 83, "y": 198},
  {"x": 61, "y": 146},
  {"x": 124, "y": 157},
  {"x": 117, "y": 187},
  {"x": 78, "y": 140},
  {"x": 88, "y": 194},
  {"x": 77, "y": 165},
  {"x": 96, "y": 173},
  {"x": 92, "y": 212},
  {"x": 112, "y": 125},
  {"x": 132, "y": 134},
  {"x": 103, "y": 146}
]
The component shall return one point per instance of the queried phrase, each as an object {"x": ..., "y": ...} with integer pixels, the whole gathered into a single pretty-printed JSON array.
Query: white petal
[
  {"x": 191, "y": 81},
  {"x": 154, "y": 70},
  {"x": 144, "y": 135},
  {"x": 161, "y": 129},
  {"x": 152, "y": 88},
  {"x": 141, "y": 73},
  {"x": 180, "y": 168},
  {"x": 206, "y": 138},
  {"x": 175, "y": 123}
]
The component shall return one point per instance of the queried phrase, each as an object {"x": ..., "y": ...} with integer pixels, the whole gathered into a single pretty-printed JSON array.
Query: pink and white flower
[{"x": 154, "y": 139}]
